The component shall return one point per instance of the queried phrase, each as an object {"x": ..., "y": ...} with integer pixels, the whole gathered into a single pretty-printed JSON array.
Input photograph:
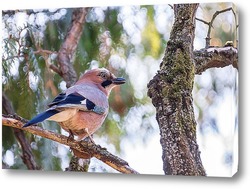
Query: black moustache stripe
[{"x": 106, "y": 83}]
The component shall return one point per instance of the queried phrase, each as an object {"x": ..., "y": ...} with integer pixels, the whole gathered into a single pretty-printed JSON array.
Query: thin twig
[
  {"x": 210, "y": 24},
  {"x": 44, "y": 51},
  {"x": 205, "y": 22},
  {"x": 171, "y": 6},
  {"x": 55, "y": 69},
  {"x": 45, "y": 54}
]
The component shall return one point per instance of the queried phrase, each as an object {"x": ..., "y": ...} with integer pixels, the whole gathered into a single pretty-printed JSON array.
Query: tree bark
[
  {"x": 171, "y": 94},
  {"x": 67, "y": 51},
  {"x": 215, "y": 57}
]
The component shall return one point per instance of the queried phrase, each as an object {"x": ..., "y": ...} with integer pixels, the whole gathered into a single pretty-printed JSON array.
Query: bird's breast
[{"x": 82, "y": 121}]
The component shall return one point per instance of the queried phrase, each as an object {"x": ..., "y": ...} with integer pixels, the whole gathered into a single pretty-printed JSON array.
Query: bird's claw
[{"x": 71, "y": 136}]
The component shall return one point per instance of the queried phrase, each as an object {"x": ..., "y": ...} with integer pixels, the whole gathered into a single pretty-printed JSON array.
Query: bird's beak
[{"x": 118, "y": 81}]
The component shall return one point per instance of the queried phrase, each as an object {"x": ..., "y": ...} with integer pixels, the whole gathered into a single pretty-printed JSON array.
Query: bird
[{"x": 82, "y": 108}]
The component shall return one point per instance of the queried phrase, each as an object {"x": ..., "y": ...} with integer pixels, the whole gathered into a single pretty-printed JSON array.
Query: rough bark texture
[
  {"x": 215, "y": 57},
  {"x": 171, "y": 93}
]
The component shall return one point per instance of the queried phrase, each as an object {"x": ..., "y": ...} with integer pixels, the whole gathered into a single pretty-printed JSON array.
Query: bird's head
[{"x": 102, "y": 78}]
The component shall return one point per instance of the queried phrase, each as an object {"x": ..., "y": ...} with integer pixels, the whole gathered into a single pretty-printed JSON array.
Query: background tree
[{"x": 125, "y": 40}]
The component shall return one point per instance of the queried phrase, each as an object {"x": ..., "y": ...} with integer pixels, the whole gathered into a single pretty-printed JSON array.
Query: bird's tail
[{"x": 41, "y": 117}]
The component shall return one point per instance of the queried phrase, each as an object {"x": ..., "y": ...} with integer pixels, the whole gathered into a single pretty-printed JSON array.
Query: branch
[
  {"x": 45, "y": 54},
  {"x": 171, "y": 6},
  {"x": 205, "y": 22},
  {"x": 27, "y": 155},
  {"x": 81, "y": 149},
  {"x": 210, "y": 24},
  {"x": 215, "y": 57},
  {"x": 68, "y": 48}
]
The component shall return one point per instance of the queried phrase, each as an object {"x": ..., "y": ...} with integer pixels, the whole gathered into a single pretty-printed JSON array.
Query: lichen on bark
[{"x": 171, "y": 94}]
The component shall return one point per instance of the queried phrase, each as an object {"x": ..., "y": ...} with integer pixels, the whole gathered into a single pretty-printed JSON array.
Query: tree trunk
[{"x": 171, "y": 94}]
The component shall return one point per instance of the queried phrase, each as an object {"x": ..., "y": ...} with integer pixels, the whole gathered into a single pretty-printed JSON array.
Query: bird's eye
[{"x": 103, "y": 75}]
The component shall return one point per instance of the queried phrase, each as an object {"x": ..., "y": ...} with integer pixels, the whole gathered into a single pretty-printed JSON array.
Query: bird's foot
[
  {"x": 71, "y": 136},
  {"x": 89, "y": 136}
]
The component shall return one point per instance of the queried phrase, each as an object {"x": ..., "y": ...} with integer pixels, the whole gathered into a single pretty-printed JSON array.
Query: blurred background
[{"x": 130, "y": 41}]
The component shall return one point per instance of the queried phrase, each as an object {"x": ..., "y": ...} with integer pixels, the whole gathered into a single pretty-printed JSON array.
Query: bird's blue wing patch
[
  {"x": 97, "y": 109},
  {"x": 75, "y": 98}
]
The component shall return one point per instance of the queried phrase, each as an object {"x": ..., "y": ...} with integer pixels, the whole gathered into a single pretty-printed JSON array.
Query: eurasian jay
[{"x": 82, "y": 108}]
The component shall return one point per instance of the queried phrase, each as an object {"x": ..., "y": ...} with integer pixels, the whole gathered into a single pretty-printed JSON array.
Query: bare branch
[
  {"x": 55, "y": 69},
  {"x": 68, "y": 48},
  {"x": 215, "y": 57},
  {"x": 171, "y": 6},
  {"x": 205, "y": 22},
  {"x": 27, "y": 155},
  {"x": 44, "y": 52},
  {"x": 210, "y": 24},
  {"x": 81, "y": 149},
  {"x": 13, "y": 57}
]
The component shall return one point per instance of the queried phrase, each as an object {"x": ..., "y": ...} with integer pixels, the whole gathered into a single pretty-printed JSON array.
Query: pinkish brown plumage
[{"x": 82, "y": 108}]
